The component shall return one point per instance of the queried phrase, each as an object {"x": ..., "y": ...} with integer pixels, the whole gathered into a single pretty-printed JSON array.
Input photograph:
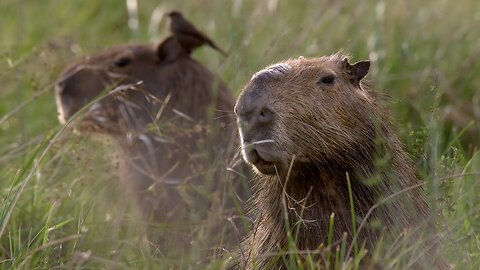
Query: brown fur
[
  {"x": 303, "y": 136},
  {"x": 167, "y": 114}
]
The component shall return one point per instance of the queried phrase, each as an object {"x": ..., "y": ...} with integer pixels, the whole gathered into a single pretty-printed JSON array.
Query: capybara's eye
[
  {"x": 122, "y": 61},
  {"x": 328, "y": 79}
]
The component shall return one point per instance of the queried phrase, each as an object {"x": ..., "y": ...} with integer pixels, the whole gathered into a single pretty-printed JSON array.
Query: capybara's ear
[
  {"x": 169, "y": 50},
  {"x": 358, "y": 70}
]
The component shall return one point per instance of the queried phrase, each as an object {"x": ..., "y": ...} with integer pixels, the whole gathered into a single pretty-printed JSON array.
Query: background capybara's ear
[{"x": 169, "y": 50}]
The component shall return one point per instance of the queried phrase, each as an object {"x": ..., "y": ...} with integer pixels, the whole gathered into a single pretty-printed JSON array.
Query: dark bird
[{"x": 188, "y": 35}]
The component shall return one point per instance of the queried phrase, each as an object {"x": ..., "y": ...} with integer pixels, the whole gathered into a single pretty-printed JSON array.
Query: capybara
[
  {"x": 308, "y": 128},
  {"x": 167, "y": 115}
]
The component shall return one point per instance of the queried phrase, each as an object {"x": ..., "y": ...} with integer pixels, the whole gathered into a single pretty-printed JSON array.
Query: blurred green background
[{"x": 54, "y": 213}]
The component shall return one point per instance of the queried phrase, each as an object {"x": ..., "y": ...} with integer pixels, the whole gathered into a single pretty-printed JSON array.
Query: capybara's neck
[
  {"x": 307, "y": 199},
  {"x": 310, "y": 192}
]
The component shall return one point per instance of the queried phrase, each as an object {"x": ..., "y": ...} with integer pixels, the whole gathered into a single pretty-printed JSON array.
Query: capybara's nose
[
  {"x": 60, "y": 86},
  {"x": 265, "y": 115},
  {"x": 253, "y": 113}
]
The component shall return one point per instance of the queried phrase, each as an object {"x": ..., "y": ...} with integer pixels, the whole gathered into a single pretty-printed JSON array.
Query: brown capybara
[
  {"x": 166, "y": 112},
  {"x": 309, "y": 127}
]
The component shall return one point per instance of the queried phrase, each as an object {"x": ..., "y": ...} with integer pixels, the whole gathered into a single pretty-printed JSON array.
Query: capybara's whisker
[{"x": 263, "y": 141}]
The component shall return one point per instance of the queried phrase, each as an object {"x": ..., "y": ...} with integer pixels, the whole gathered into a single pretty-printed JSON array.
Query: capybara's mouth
[
  {"x": 259, "y": 159},
  {"x": 265, "y": 167}
]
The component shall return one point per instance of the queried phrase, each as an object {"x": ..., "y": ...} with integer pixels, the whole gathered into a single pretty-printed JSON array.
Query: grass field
[{"x": 60, "y": 203}]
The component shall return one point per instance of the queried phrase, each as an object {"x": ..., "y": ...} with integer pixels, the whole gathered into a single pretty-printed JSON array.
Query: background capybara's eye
[
  {"x": 328, "y": 79},
  {"x": 122, "y": 61}
]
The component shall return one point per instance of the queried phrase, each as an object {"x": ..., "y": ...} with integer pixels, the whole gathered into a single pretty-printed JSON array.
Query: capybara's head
[
  {"x": 130, "y": 71},
  {"x": 313, "y": 110}
]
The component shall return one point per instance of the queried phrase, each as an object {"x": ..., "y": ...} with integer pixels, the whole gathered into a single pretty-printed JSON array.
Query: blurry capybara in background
[
  {"x": 308, "y": 128},
  {"x": 168, "y": 115}
]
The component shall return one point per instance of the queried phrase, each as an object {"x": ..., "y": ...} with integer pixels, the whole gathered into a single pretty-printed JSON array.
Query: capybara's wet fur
[
  {"x": 308, "y": 127},
  {"x": 167, "y": 114}
]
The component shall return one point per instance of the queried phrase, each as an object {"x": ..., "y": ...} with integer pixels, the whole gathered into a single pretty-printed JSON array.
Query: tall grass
[{"x": 61, "y": 204}]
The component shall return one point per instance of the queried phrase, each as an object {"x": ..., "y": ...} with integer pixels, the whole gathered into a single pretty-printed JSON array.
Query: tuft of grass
[{"x": 352, "y": 211}]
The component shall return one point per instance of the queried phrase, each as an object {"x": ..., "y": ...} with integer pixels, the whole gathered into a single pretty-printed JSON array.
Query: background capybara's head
[
  {"x": 83, "y": 81},
  {"x": 136, "y": 85},
  {"x": 313, "y": 109}
]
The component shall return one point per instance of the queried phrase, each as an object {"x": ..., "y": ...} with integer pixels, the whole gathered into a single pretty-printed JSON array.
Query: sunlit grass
[{"x": 61, "y": 204}]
